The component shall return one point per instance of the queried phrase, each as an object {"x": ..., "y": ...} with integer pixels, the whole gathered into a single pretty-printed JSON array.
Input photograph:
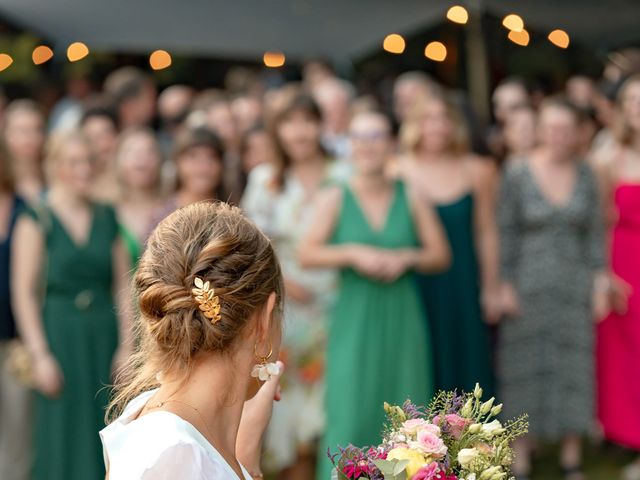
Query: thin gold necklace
[{"x": 206, "y": 426}]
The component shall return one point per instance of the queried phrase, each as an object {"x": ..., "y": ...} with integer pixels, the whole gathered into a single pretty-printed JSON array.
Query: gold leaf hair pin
[{"x": 207, "y": 300}]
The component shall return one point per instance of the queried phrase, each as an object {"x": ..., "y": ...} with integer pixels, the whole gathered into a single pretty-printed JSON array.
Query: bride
[{"x": 194, "y": 401}]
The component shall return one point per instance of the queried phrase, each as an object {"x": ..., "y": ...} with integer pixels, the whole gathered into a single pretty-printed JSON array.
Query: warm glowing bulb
[
  {"x": 394, "y": 43},
  {"x": 458, "y": 14},
  {"x": 5, "y": 61},
  {"x": 559, "y": 38},
  {"x": 41, "y": 54},
  {"x": 519, "y": 38},
  {"x": 513, "y": 22},
  {"x": 77, "y": 51},
  {"x": 160, "y": 59},
  {"x": 273, "y": 59},
  {"x": 435, "y": 51}
]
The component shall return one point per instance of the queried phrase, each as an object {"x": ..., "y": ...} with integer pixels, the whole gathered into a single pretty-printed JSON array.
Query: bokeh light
[
  {"x": 394, "y": 43},
  {"x": 5, "y": 61},
  {"x": 513, "y": 22},
  {"x": 160, "y": 59},
  {"x": 41, "y": 54},
  {"x": 458, "y": 14},
  {"x": 77, "y": 51},
  {"x": 435, "y": 51},
  {"x": 519, "y": 38},
  {"x": 559, "y": 38},
  {"x": 273, "y": 59}
]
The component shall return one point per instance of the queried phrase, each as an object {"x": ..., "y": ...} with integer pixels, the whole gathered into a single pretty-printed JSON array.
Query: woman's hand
[
  {"x": 255, "y": 418},
  {"x": 47, "y": 376},
  {"x": 509, "y": 300},
  {"x": 492, "y": 304},
  {"x": 369, "y": 261},
  {"x": 619, "y": 293}
]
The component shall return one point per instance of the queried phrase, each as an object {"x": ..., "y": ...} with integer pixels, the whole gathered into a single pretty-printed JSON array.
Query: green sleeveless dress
[
  {"x": 462, "y": 354},
  {"x": 81, "y": 328},
  {"x": 379, "y": 347}
]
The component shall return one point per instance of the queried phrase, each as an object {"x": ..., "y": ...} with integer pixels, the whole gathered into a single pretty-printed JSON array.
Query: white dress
[{"x": 160, "y": 446}]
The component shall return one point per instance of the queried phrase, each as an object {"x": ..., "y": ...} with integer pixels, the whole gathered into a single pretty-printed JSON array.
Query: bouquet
[{"x": 457, "y": 437}]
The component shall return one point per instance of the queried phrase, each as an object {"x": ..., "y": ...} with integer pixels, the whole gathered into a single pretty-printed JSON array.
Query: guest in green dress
[
  {"x": 377, "y": 235},
  {"x": 463, "y": 300},
  {"x": 138, "y": 164},
  {"x": 68, "y": 252}
]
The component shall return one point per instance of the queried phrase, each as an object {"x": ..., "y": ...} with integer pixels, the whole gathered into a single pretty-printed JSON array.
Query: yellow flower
[{"x": 416, "y": 459}]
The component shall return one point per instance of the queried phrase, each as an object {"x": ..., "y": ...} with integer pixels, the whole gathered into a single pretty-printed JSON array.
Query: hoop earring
[{"x": 263, "y": 371}]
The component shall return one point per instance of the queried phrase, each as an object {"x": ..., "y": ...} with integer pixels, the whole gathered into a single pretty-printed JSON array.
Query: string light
[
  {"x": 41, "y": 54},
  {"x": 394, "y": 43},
  {"x": 160, "y": 59},
  {"x": 513, "y": 22},
  {"x": 273, "y": 59},
  {"x": 77, "y": 51},
  {"x": 559, "y": 38},
  {"x": 5, "y": 61},
  {"x": 435, "y": 51},
  {"x": 519, "y": 38},
  {"x": 458, "y": 14}
]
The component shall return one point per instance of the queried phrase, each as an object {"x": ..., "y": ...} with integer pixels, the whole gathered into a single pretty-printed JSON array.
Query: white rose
[{"x": 467, "y": 455}]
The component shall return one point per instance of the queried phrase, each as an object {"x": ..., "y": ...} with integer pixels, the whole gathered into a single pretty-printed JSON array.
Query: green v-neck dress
[
  {"x": 379, "y": 347},
  {"x": 80, "y": 325}
]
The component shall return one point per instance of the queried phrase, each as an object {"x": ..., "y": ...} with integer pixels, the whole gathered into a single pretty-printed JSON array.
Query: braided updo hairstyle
[{"x": 214, "y": 242}]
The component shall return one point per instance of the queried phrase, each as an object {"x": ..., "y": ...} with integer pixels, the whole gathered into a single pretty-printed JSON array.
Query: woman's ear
[{"x": 266, "y": 319}]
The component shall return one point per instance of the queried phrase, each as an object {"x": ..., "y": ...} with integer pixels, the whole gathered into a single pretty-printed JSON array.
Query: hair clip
[{"x": 207, "y": 300}]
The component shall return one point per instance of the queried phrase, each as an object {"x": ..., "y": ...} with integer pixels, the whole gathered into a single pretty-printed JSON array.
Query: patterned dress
[
  {"x": 298, "y": 419},
  {"x": 549, "y": 253}
]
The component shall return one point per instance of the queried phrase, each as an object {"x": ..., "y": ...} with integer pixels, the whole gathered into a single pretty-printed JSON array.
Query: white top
[{"x": 160, "y": 446}]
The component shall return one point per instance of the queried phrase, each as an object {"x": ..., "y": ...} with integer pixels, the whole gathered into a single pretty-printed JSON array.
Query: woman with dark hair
[
  {"x": 256, "y": 147},
  {"x": 199, "y": 158},
  {"x": 15, "y": 445},
  {"x": 280, "y": 199},
  {"x": 552, "y": 258}
]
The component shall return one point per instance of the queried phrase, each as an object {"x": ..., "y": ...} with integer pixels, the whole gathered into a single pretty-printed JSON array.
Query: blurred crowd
[{"x": 509, "y": 250}]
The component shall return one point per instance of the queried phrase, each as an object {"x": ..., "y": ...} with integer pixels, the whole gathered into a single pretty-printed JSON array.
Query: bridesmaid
[
  {"x": 376, "y": 234},
  {"x": 15, "y": 400},
  {"x": 73, "y": 335},
  {"x": 552, "y": 251},
  {"x": 199, "y": 159},
  {"x": 279, "y": 199},
  {"x": 24, "y": 137},
  {"x": 461, "y": 301},
  {"x": 619, "y": 333},
  {"x": 138, "y": 162}
]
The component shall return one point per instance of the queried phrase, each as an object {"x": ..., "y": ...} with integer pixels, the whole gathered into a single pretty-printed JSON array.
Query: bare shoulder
[
  {"x": 330, "y": 197},
  {"x": 484, "y": 170}
]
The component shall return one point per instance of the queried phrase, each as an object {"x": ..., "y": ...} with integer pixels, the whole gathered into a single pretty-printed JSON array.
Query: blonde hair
[
  {"x": 217, "y": 243},
  {"x": 55, "y": 146},
  {"x": 410, "y": 135},
  {"x": 622, "y": 131}
]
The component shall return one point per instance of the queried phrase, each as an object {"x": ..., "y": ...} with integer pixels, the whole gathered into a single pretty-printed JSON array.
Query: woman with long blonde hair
[
  {"x": 69, "y": 277},
  {"x": 460, "y": 302}
]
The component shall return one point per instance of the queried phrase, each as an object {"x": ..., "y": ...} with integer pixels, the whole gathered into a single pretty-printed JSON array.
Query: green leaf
[
  {"x": 392, "y": 469},
  {"x": 400, "y": 466}
]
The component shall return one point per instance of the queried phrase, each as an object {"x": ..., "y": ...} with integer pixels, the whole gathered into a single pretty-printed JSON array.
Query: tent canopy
[{"x": 337, "y": 29}]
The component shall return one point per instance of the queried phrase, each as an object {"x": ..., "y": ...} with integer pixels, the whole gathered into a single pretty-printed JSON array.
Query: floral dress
[{"x": 284, "y": 215}]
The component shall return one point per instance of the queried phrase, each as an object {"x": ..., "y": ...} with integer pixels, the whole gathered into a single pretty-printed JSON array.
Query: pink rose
[
  {"x": 429, "y": 443},
  {"x": 428, "y": 472},
  {"x": 457, "y": 424}
]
